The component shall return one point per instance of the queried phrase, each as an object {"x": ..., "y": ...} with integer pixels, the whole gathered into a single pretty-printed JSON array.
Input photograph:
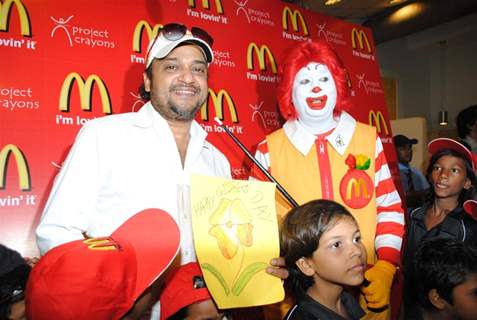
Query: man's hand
[
  {"x": 31, "y": 261},
  {"x": 380, "y": 278},
  {"x": 277, "y": 268}
]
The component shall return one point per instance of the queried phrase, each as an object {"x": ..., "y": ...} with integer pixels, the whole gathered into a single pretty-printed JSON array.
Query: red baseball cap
[
  {"x": 101, "y": 278},
  {"x": 446, "y": 143},
  {"x": 184, "y": 287},
  {"x": 470, "y": 206}
]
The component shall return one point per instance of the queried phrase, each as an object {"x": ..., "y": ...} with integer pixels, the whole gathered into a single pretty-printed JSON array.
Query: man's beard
[
  {"x": 172, "y": 111},
  {"x": 182, "y": 114}
]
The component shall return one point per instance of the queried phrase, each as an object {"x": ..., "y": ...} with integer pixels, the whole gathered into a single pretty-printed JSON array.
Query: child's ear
[
  {"x": 467, "y": 184},
  {"x": 304, "y": 265},
  {"x": 436, "y": 299}
]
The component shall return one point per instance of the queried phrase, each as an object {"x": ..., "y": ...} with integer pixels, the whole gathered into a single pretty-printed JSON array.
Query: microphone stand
[{"x": 258, "y": 164}]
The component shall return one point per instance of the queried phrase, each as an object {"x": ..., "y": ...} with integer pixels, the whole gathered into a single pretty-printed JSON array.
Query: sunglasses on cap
[{"x": 175, "y": 31}]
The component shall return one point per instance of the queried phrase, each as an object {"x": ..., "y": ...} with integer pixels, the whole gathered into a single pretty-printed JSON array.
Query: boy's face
[
  {"x": 464, "y": 298},
  {"x": 204, "y": 310},
  {"x": 340, "y": 257},
  {"x": 449, "y": 177}
]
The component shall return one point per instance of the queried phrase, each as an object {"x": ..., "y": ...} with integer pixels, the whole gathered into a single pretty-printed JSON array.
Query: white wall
[{"x": 415, "y": 62}]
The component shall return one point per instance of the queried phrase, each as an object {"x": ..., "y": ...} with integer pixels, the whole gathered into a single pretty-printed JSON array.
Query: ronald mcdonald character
[{"x": 322, "y": 152}]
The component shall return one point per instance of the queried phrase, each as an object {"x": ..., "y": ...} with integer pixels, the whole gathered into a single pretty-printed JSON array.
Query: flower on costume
[
  {"x": 231, "y": 226},
  {"x": 356, "y": 187},
  {"x": 360, "y": 162}
]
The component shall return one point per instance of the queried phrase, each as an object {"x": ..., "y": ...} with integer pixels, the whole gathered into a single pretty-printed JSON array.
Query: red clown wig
[{"x": 300, "y": 56}]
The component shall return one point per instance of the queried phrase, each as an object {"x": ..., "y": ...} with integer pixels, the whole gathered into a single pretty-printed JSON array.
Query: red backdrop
[{"x": 100, "y": 46}]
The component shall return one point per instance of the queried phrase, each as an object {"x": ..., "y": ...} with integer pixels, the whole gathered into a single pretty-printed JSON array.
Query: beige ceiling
[
  {"x": 379, "y": 15},
  {"x": 351, "y": 10}
]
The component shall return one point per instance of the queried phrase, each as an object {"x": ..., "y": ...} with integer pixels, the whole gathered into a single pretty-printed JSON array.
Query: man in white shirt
[{"x": 122, "y": 164}]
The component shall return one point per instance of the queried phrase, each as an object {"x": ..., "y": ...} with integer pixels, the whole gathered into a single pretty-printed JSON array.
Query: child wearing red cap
[
  {"x": 102, "y": 278},
  {"x": 452, "y": 179},
  {"x": 185, "y": 296}
]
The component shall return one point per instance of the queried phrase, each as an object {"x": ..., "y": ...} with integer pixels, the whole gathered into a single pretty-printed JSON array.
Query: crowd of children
[
  {"x": 321, "y": 245},
  {"x": 324, "y": 255}
]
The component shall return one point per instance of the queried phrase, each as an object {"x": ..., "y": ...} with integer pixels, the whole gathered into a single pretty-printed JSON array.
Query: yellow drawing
[
  {"x": 235, "y": 235},
  {"x": 231, "y": 226}
]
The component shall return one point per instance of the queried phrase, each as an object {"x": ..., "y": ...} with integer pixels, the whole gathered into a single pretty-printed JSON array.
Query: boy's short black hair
[
  {"x": 300, "y": 234},
  {"x": 442, "y": 264}
]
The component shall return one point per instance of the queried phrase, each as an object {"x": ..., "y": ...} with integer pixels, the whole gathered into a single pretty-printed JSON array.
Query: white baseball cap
[{"x": 172, "y": 35}]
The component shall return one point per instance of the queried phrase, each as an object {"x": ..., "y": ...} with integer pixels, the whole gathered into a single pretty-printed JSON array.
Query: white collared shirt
[
  {"x": 339, "y": 138},
  {"x": 120, "y": 165}
]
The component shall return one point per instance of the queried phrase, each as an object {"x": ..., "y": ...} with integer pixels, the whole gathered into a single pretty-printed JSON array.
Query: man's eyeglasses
[{"x": 175, "y": 31}]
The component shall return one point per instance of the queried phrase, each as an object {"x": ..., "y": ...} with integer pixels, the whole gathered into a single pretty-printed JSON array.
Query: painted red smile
[{"x": 316, "y": 103}]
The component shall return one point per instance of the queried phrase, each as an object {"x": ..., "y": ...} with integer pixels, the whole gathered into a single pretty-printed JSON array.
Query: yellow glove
[{"x": 380, "y": 277}]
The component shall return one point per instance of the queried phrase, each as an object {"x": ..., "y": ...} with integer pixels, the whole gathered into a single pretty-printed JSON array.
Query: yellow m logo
[
  {"x": 356, "y": 188},
  {"x": 218, "y": 101},
  {"x": 22, "y": 167},
  {"x": 287, "y": 13},
  {"x": 151, "y": 33},
  {"x": 101, "y": 244},
  {"x": 260, "y": 53},
  {"x": 5, "y": 12},
  {"x": 206, "y": 5},
  {"x": 377, "y": 120},
  {"x": 362, "y": 39},
  {"x": 86, "y": 92}
]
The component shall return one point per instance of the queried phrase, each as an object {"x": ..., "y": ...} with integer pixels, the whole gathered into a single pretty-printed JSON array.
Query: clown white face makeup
[{"x": 314, "y": 97}]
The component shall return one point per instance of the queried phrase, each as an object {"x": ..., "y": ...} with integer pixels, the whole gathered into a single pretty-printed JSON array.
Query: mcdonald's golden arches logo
[
  {"x": 85, "y": 91},
  {"x": 377, "y": 120},
  {"x": 106, "y": 243},
  {"x": 218, "y": 102},
  {"x": 359, "y": 39},
  {"x": 5, "y": 13},
  {"x": 293, "y": 16},
  {"x": 138, "y": 30},
  {"x": 356, "y": 188},
  {"x": 206, "y": 5},
  {"x": 260, "y": 53},
  {"x": 24, "y": 181}
]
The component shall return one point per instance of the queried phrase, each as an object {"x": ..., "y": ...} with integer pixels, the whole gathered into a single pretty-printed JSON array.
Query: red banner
[{"x": 64, "y": 63}]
